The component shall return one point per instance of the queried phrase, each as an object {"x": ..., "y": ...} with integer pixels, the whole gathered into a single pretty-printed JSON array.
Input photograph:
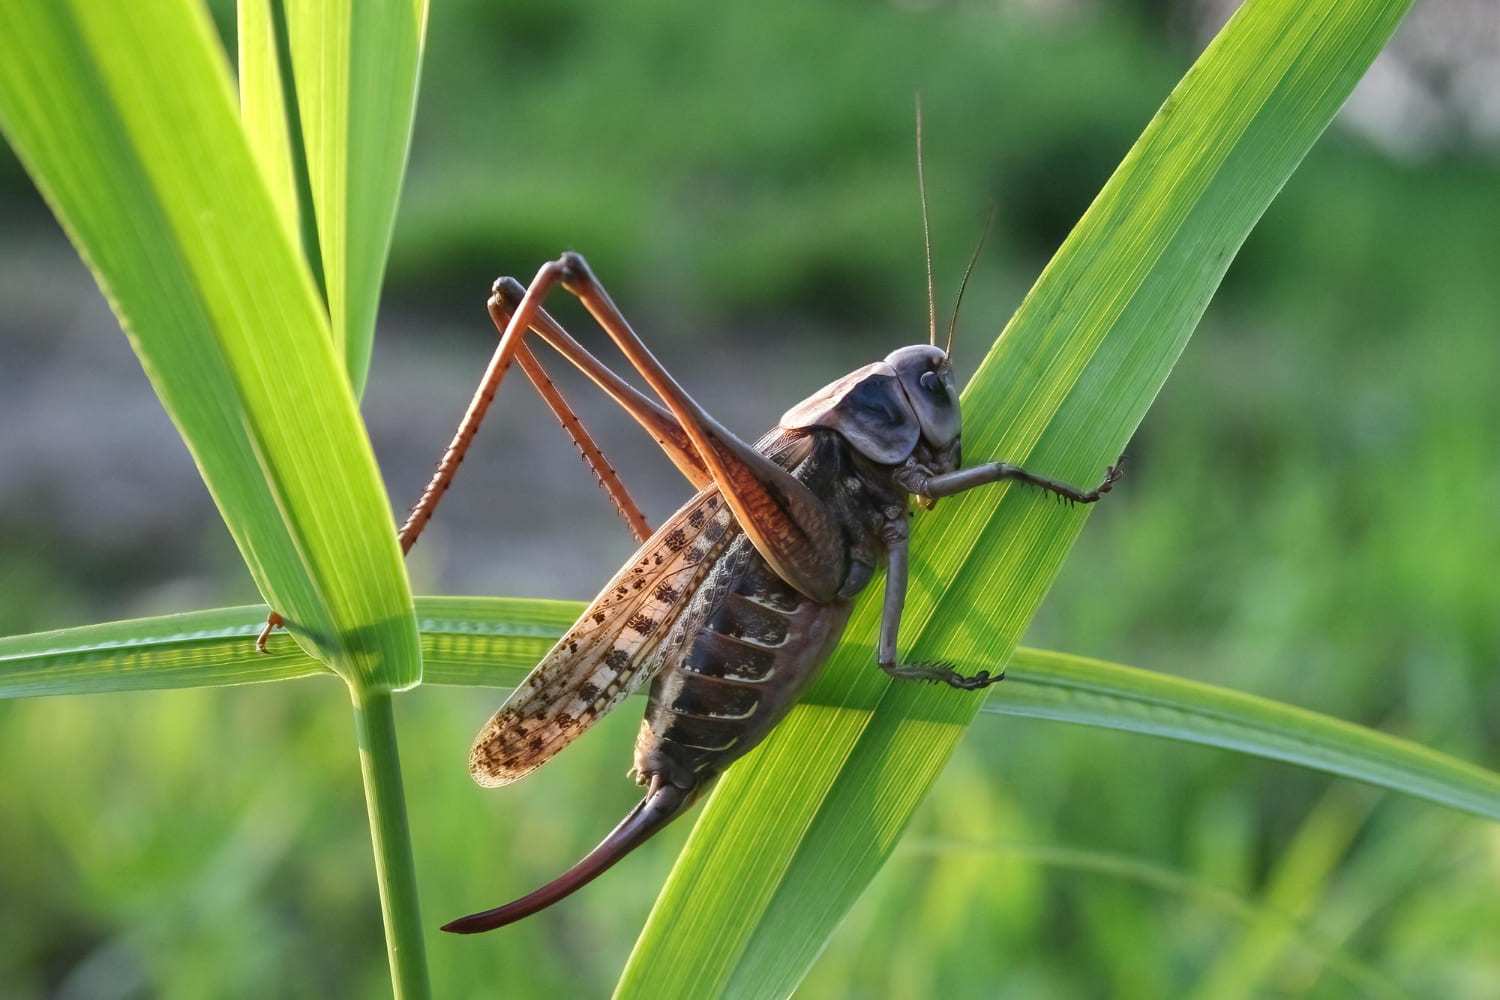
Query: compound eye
[{"x": 932, "y": 383}]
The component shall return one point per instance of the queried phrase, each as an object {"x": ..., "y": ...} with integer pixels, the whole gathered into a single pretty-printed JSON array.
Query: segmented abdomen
[{"x": 738, "y": 676}]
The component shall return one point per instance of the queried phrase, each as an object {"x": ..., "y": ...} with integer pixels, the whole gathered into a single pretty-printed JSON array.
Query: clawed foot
[
  {"x": 273, "y": 622},
  {"x": 979, "y": 680},
  {"x": 942, "y": 673},
  {"x": 1112, "y": 475}
]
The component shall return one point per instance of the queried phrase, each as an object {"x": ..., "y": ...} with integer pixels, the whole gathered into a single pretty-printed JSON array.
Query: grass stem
[{"x": 380, "y": 765}]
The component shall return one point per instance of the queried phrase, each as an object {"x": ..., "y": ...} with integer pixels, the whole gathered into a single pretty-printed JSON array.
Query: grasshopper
[{"x": 733, "y": 604}]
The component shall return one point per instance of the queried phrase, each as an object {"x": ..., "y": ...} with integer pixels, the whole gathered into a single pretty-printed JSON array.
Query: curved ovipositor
[{"x": 660, "y": 806}]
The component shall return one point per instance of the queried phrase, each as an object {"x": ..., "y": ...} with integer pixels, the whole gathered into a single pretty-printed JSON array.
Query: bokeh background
[{"x": 1310, "y": 515}]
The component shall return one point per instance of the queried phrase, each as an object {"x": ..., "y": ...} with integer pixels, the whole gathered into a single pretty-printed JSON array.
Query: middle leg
[{"x": 896, "y": 536}]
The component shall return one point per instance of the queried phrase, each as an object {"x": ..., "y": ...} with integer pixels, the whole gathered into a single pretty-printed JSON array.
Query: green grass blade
[
  {"x": 199, "y": 649},
  {"x": 795, "y": 831},
  {"x": 1045, "y": 685},
  {"x": 268, "y": 107},
  {"x": 356, "y": 68},
  {"x": 494, "y": 641},
  {"x": 472, "y": 641},
  {"x": 264, "y": 106},
  {"x": 185, "y": 242}
]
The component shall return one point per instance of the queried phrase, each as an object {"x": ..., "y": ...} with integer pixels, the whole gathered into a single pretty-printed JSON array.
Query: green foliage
[
  {"x": 217, "y": 303},
  {"x": 1063, "y": 391},
  {"x": 355, "y": 72},
  {"x": 199, "y": 263}
]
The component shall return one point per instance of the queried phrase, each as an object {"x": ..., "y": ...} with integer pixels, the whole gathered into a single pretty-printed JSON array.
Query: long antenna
[
  {"x": 974, "y": 259},
  {"x": 926, "y": 232}
]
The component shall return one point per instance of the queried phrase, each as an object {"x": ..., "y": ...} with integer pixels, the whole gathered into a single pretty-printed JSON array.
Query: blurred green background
[{"x": 1310, "y": 515}]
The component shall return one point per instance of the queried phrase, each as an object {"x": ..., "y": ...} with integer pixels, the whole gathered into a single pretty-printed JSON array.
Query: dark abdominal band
[{"x": 704, "y": 709}]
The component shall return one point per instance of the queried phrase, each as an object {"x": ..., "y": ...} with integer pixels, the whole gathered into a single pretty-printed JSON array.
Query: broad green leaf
[
  {"x": 172, "y": 215},
  {"x": 494, "y": 641},
  {"x": 794, "y": 832},
  {"x": 356, "y": 67}
]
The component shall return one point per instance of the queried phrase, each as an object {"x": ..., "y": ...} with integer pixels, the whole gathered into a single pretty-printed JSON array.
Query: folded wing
[{"x": 615, "y": 647}]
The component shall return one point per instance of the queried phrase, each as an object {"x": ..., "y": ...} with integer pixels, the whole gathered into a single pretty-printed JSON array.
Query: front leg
[
  {"x": 897, "y": 533},
  {"x": 930, "y": 488}
]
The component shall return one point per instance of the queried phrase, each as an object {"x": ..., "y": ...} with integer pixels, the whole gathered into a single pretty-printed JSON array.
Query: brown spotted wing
[
  {"x": 646, "y": 615},
  {"x": 616, "y": 646}
]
